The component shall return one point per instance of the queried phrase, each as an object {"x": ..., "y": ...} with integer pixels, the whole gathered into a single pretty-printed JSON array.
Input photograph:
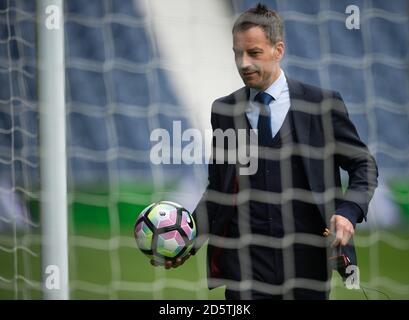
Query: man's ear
[{"x": 279, "y": 50}]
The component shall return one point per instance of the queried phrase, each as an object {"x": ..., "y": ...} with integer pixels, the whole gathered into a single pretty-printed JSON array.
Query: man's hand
[
  {"x": 343, "y": 230},
  {"x": 169, "y": 263}
]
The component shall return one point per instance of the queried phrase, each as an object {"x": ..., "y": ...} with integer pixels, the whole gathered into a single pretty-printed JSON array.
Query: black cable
[
  {"x": 364, "y": 293},
  {"x": 385, "y": 294}
]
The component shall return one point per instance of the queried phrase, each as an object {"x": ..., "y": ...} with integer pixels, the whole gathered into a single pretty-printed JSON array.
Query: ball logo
[
  {"x": 189, "y": 221},
  {"x": 162, "y": 213}
]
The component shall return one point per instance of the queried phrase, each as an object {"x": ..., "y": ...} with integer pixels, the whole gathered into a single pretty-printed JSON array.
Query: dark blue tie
[{"x": 264, "y": 119}]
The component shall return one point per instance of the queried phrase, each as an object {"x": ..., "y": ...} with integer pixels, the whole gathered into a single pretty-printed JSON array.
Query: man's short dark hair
[{"x": 266, "y": 19}]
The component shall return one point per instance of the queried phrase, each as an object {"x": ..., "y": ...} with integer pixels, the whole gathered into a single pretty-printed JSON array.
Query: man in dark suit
[{"x": 268, "y": 231}]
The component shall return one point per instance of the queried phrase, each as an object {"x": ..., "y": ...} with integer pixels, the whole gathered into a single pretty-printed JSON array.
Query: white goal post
[{"x": 51, "y": 96}]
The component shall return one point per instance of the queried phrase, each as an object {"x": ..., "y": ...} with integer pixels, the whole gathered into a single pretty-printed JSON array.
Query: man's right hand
[{"x": 170, "y": 263}]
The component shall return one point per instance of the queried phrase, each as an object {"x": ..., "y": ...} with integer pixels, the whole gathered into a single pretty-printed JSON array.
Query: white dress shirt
[{"x": 278, "y": 107}]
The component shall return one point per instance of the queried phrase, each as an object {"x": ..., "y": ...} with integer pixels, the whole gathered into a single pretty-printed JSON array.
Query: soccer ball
[{"x": 165, "y": 230}]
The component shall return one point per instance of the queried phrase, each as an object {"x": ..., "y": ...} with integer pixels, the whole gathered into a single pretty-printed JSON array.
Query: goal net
[{"x": 133, "y": 66}]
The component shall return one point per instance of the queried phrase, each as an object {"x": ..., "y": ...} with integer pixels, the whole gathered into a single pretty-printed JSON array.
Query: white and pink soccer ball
[{"x": 165, "y": 230}]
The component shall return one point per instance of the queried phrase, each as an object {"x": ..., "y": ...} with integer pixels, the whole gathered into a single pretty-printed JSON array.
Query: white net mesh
[{"x": 135, "y": 66}]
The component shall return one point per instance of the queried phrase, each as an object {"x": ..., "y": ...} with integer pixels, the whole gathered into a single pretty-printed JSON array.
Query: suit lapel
[
  {"x": 302, "y": 117},
  {"x": 241, "y": 103},
  {"x": 234, "y": 116}
]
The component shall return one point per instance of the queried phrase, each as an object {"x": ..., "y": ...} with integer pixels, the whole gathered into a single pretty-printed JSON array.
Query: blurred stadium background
[{"x": 133, "y": 66}]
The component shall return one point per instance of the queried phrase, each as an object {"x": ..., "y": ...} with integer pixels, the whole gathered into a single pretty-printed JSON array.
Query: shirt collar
[{"x": 274, "y": 89}]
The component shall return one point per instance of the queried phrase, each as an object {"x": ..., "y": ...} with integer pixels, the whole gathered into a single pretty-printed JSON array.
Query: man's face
[{"x": 257, "y": 60}]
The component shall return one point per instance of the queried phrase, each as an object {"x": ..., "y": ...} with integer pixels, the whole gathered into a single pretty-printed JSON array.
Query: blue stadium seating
[
  {"x": 369, "y": 66},
  {"x": 109, "y": 50}
]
